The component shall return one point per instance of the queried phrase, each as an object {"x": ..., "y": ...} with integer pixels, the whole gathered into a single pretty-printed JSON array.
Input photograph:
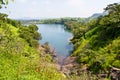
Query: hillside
[
  {"x": 96, "y": 15},
  {"x": 20, "y": 58},
  {"x": 96, "y": 44},
  {"x": 96, "y": 54}
]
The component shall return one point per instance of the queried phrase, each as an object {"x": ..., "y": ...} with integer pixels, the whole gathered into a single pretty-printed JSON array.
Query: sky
[{"x": 55, "y": 8}]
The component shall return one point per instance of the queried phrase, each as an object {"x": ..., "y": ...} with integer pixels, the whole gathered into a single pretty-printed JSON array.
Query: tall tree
[{"x": 113, "y": 16}]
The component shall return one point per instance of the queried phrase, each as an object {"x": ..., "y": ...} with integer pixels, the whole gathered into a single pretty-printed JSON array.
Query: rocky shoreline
[
  {"x": 64, "y": 64},
  {"x": 69, "y": 66}
]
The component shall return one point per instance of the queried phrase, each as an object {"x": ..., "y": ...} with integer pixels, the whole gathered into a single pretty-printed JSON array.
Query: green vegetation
[
  {"x": 4, "y": 3},
  {"x": 61, "y": 20},
  {"x": 21, "y": 56},
  {"x": 96, "y": 46},
  {"x": 96, "y": 43}
]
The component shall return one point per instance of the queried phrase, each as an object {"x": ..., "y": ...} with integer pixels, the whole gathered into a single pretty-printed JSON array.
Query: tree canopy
[
  {"x": 4, "y": 2},
  {"x": 96, "y": 43}
]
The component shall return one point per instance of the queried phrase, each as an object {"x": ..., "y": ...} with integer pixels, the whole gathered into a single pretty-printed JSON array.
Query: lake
[{"x": 57, "y": 37}]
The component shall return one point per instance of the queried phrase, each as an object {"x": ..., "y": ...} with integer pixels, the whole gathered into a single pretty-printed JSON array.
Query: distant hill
[
  {"x": 59, "y": 20},
  {"x": 96, "y": 15}
]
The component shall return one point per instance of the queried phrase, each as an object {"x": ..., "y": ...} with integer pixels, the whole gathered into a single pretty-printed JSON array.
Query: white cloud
[
  {"x": 47, "y": 2},
  {"x": 76, "y": 3},
  {"x": 34, "y": 2},
  {"x": 23, "y": 1},
  {"x": 56, "y": 8}
]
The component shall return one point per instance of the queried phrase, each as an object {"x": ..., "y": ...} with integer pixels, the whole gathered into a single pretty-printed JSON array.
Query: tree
[
  {"x": 33, "y": 27},
  {"x": 4, "y": 2},
  {"x": 113, "y": 8},
  {"x": 113, "y": 16},
  {"x": 3, "y": 16}
]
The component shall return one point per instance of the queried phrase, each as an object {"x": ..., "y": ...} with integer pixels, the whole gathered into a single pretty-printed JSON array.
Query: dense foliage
[
  {"x": 61, "y": 20},
  {"x": 4, "y": 3},
  {"x": 96, "y": 46},
  {"x": 97, "y": 43},
  {"x": 20, "y": 58}
]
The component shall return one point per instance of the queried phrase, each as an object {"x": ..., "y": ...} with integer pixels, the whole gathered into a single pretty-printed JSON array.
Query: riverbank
[
  {"x": 63, "y": 65},
  {"x": 67, "y": 66}
]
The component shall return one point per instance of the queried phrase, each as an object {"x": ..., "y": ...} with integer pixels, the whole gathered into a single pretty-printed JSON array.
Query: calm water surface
[{"x": 57, "y": 37}]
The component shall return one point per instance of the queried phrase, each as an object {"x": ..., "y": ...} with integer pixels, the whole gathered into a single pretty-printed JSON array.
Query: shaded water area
[{"x": 58, "y": 38}]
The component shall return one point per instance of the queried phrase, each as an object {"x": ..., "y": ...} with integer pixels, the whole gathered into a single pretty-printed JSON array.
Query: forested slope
[
  {"x": 96, "y": 46},
  {"x": 97, "y": 43},
  {"x": 20, "y": 58}
]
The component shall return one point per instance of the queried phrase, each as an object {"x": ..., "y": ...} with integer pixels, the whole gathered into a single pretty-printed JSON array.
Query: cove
[{"x": 57, "y": 37}]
